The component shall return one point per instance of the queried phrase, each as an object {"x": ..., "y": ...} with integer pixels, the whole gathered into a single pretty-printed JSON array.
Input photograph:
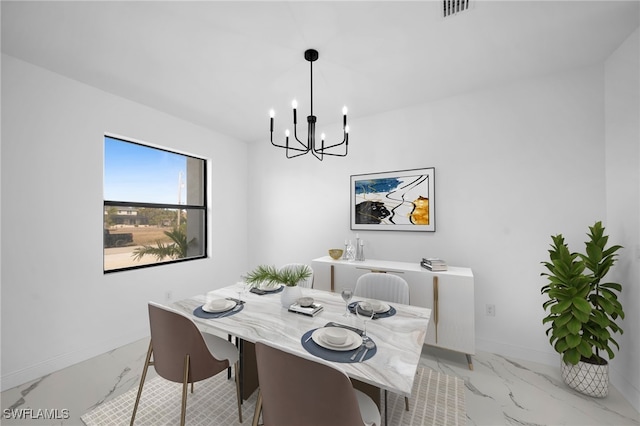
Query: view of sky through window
[{"x": 138, "y": 173}]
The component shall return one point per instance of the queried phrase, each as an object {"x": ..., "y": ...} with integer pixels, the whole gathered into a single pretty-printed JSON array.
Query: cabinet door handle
[
  {"x": 332, "y": 278},
  {"x": 435, "y": 304}
]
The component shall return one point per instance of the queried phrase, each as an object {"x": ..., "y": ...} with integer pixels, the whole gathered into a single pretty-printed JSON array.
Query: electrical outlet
[
  {"x": 168, "y": 295},
  {"x": 490, "y": 310}
]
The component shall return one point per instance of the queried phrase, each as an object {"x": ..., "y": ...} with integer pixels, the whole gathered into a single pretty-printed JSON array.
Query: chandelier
[{"x": 300, "y": 148}]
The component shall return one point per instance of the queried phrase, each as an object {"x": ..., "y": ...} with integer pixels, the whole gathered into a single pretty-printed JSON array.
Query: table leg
[
  {"x": 248, "y": 369},
  {"x": 386, "y": 421},
  {"x": 229, "y": 369}
]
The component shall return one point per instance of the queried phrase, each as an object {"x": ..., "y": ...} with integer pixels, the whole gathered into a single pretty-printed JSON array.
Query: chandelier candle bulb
[{"x": 294, "y": 105}]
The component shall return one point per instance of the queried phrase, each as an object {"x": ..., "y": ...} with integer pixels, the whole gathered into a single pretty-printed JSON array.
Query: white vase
[
  {"x": 289, "y": 295},
  {"x": 589, "y": 379}
]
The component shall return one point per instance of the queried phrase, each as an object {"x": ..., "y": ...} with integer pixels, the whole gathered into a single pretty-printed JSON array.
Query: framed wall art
[{"x": 394, "y": 201}]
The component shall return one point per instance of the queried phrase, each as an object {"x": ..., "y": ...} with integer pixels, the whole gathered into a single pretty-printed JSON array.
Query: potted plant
[
  {"x": 289, "y": 277},
  {"x": 583, "y": 310}
]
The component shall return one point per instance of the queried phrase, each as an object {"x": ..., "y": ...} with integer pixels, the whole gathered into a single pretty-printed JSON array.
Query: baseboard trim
[
  {"x": 51, "y": 365},
  {"x": 512, "y": 351},
  {"x": 617, "y": 379}
]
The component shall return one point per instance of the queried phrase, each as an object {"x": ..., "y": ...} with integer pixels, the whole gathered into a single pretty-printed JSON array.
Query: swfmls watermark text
[{"x": 35, "y": 413}]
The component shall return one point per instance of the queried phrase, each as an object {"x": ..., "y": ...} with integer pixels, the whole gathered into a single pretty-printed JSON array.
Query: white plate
[
  {"x": 218, "y": 305},
  {"x": 353, "y": 340},
  {"x": 378, "y": 307},
  {"x": 267, "y": 287}
]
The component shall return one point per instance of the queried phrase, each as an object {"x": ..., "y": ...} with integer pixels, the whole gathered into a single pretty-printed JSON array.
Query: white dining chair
[
  {"x": 308, "y": 283},
  {"x": 383, "y": 286}
]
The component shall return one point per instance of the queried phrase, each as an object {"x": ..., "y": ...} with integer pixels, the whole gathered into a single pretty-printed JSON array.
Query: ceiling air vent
[{"x": 453, "y": 7}]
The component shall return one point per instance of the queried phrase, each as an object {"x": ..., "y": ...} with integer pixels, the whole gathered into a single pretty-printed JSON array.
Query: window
[{"x": 154, "y": 206}]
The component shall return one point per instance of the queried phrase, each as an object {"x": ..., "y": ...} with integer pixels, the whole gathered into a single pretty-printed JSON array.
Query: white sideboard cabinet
[{"x": 449, "y": 294}]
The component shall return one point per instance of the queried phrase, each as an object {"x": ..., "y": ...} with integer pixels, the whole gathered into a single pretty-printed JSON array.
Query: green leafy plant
[
  {"x": 582, "y": 308},
  {"x": 175, "y": 250},
  {"x": 270, "y": 275}
]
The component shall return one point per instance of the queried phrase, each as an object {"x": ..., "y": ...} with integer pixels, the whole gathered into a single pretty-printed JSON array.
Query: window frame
[{"x": 204, "y": 207}]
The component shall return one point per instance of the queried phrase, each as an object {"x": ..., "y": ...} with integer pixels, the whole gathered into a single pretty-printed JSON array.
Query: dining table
[{"x": 391, "y": 366}]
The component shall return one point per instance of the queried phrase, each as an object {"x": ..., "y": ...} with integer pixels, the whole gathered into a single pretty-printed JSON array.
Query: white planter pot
[
  {"x": 289, "y": 295},
  {"x": 589, "y": 379}
]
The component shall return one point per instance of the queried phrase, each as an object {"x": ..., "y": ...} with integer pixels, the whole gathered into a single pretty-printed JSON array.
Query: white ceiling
[{"x": 223, "y": 65}]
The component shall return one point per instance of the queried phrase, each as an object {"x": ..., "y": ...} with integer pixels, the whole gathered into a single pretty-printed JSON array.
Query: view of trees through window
[{"x": 154, "y": 206}]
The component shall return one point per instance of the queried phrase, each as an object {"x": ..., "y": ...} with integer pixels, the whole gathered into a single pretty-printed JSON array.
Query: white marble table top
[{"x": 399, "y": 338}]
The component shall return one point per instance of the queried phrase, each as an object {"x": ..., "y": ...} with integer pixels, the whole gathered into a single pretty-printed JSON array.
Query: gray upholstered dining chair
[
  {"x": 383, "y": 286},
  {"x": 308, "y": 283},
  {"x": 298, "y": 391},
  {"x": 183, "y": 354}
]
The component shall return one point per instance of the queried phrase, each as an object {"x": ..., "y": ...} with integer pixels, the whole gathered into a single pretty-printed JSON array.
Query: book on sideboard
[
  {"x": 433, "y": 260},
  {"x": 433, "y": 264}
]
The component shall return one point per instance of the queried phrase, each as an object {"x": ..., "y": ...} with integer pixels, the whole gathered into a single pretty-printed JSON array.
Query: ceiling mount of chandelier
[{"x": 298, "y": 147}]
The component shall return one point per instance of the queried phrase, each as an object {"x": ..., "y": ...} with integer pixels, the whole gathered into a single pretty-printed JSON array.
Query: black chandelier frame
[{"x": 311, "y": 55}]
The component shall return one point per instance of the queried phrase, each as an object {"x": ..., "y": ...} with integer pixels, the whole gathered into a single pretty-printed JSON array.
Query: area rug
[{"x": 437, "y": 399}]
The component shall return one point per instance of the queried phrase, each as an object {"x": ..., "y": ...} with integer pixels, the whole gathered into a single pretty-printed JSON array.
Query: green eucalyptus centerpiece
[
  {"x": 272, "y": 276},
  {"x": 289, "y": 276},
  {"x": 583, "y": 310}
]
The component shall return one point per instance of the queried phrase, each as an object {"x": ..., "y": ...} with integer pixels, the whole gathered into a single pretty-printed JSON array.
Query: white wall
[
  {"x": 514, "y": 164},
  {"x": 58, "y": 308},
  {"x": 622, "y": 123}
]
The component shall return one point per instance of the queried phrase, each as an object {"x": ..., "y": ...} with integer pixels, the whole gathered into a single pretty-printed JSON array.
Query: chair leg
[
  {"x": 185, "y": 386},
  {"x": 236, "y": 367},
  {"x": 406, "y": 403},
  {"x": 256, "y": 414},
  {"x": 142, "y": 378}
]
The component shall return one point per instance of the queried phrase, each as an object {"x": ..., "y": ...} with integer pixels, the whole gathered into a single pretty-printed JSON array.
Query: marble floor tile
[
  {"x": 502, "y": 391},
  {"x": 499, "y": 391}
]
